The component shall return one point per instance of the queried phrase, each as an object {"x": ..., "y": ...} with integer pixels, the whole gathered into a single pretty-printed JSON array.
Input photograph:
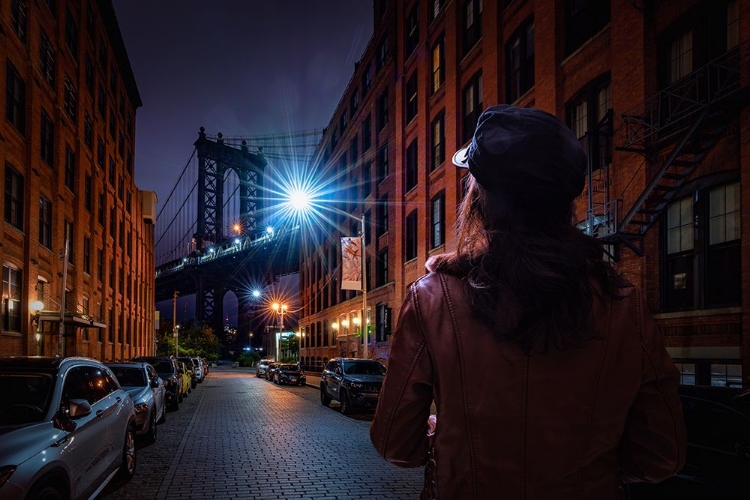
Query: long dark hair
[{"x": 530, "y": 271}]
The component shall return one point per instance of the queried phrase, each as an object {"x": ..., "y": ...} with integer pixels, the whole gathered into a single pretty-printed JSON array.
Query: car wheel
[
  {"x": 325, "y": 400},
  {"x": 127, "y": 469},
  {"x": 180, "y": 398},
  {"x": 163, "y": 416},
  {"x": 195, "y": 384},
  {"x": 175, "y": 404},
  {"x": 345, "y": 404},
  {"x": 45, "y": 491},
  {"x": 151, "y": 435}
]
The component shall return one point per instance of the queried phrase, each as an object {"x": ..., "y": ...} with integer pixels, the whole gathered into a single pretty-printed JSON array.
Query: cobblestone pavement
[{"x": 240, "y": 437}]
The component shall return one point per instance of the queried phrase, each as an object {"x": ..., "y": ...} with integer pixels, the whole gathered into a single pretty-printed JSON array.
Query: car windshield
[
  {"x": 24, "y": 398},
  {"x": 292, "y": 368},
  {"x": 363, "y": 368},
  {"x": 163, "y": 367},
  {"x": 130, "y": 377}
]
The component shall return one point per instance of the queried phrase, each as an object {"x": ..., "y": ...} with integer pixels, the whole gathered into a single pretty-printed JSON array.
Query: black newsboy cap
[{"x": 526, "y": 154}]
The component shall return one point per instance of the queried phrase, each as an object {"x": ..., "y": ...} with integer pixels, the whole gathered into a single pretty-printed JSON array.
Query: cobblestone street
[{"x": 240, "y": 437}]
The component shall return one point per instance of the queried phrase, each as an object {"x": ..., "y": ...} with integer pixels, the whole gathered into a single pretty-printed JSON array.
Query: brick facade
[
  {"x": 75, "y": 71},
  {"x": 623, "y": 51}
]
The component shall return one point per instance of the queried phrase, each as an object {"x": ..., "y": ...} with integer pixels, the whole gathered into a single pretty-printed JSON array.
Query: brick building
[
  {"x": 658, "y": 94},
  {"x": 67, "y": 148}
]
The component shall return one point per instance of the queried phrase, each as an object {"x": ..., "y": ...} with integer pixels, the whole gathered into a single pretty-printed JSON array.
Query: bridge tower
[{"x": 215, "y": 160}]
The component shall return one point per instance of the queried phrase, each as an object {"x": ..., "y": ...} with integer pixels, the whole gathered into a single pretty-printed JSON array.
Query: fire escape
[{"x": 673, "y": 130}]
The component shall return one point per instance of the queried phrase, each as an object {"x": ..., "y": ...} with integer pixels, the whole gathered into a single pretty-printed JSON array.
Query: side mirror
[
  {"x": 78, "y": 408},
  {"x": 154, "y": 383}
]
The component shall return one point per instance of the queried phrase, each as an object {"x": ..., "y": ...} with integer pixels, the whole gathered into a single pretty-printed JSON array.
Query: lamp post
[{"x": 281, "y": 309}]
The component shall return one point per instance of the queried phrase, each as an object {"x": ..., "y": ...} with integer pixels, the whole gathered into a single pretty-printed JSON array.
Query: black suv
[
  {"x": 170, "y": 373},
  {"x": 718, "y": 447},
  {"x": 355, "y": 383}
]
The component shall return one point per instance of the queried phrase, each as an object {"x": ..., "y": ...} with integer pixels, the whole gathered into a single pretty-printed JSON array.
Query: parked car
[
  {"x": 270, "y": 369},
  {"x": 190, "y": 370},
  {"x": 260, "y": 371},
  {"x": 355, "y": 383},
  {"x": 287, "y": 373},
  {"x": 188, "y": 377},
  {"x": 169, "y": 372},
  {"x": 67, "y": 428},
  {"x": 146, "y": 388},
  {"x": 206, "y": 366},
  {"x": 718, "y": 452},
  {"x": 197, "y": 368}
]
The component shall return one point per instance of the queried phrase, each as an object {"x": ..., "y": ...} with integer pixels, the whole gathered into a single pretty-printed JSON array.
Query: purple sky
[{"x": 240, "y": 67}]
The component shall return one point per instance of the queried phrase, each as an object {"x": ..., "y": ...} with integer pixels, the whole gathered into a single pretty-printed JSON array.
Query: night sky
[{"x": 240, "y": 67}]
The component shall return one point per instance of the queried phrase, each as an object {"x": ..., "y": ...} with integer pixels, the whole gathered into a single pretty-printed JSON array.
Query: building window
[
  {"x": 128, "y": 201},
  {"x": 87, "y": 192},
  {"x": 71, "y": 33},
  {"x": 437, "y": 220},
  {"x": 410, "y": 173},
  {"x": 18, "y": 10},
  {"x": 354, "y": 101},
  {"x": 438, "y": 64},
  {"x": 70, "y": 168},
  {"x": 112, "y": 125},
  {"x": 382, "y": 110},
  {"x": 46, "y": 59},
  {"x": 437, "y": 5},
  {"x": 382, "y": 54},
  {"x": 687, "y": 373},
  {"x": 45, "y": 222},
  {"x": 102, "y": 103},
  {"x": 100, "y": 153},
  {"x": 472, "y": 106},
  {"x": 520, "y": 60},
  {"x": 708, "y": 220},
  {"x": 120, "y": 188},
  {"x": 472, "y": 24},
  {"x": 47, "y": 140},
  {"x": 101, "y": 208},
  {"x": 366, "y": 180},
  {"x": 112, "y": 221},
  {"x": 412, "y": 31},
  {"x": 382, "y": 268},
  {"x": 100, "y": 265},
  {"x": 112, "y": 172},
  {"x": 366, "y": 134},
  {"x": 410, "y": 249},
  {"x": 437, "y": 137},
  {"x": 382, "y": 322},
  {"x": 89, "y": 78},
  {"x": 382, "y": 162},
  {"x": 15, "y": 98},
  {"x": 367, "y": 81},
  {"x": 113, "y": 81},
  {"x": 382, "y": 214},
  {"x": 88, "y": 130},
  {"x": 121, "y": 145},
  {"x": 71, "y": 98},
  {"x": 343, "y": 121},
  {"x": 584, "y": 19},
  {"x": 87, "y": 255},
  {"x": 14, "y": 196},
  {"x": 681, "y": 57},
  {"x": 589, "y": 115},
  {"x": 411, "y": 97},
  {"x": 726, "y": 375},
  {"x": 69, "y": 229},
  {"x": 11, "y": 299}
]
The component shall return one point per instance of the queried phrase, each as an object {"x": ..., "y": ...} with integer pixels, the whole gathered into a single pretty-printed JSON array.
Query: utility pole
[
  {"x": 61, "y": 340},
  {"x": 364, "y": 292},
  {"x": 174, "y": 325}
]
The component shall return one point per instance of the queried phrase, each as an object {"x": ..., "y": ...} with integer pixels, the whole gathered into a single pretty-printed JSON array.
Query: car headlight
[
  {"x": 5, "y": 473},
  {"x": 141, "y": 407}
]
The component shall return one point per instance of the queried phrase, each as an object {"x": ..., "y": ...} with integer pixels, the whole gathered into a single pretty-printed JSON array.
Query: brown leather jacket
[{"x": 571, "y": 424}]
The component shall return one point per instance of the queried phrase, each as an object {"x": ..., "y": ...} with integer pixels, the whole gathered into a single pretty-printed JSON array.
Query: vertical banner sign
[{"x": 351, "y": 263}]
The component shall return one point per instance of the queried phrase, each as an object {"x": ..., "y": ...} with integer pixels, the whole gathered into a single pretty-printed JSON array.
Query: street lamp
[
  {"x": 176, "y": 341},
  {"x": 281, "y": 309}
]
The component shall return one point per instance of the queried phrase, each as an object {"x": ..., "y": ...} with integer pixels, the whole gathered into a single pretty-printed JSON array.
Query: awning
[{"x": 71, "y": 319}]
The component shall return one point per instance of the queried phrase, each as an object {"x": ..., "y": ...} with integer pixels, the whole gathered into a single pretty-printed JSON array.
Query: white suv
[{"x": 198, "y": 368}]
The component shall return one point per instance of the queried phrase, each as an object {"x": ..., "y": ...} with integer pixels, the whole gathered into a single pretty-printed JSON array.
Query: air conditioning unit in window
[{"x": 149, "y": 206}]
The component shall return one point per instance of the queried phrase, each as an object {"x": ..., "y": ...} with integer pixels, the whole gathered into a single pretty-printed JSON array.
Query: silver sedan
[
  {"x": 67, "y": 428},
  {"x": 143, "y": 384}
]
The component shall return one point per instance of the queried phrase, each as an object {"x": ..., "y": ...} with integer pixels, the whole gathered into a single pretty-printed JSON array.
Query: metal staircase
[{"x": 674, "y": 130}]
